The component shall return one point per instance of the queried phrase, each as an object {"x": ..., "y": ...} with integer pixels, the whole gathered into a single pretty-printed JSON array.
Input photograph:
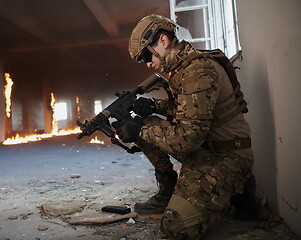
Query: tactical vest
[{"x": 225, "y": 109}]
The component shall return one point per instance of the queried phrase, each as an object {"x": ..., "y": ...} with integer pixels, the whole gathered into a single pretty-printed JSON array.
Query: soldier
[{"x": 205, "y": 130}]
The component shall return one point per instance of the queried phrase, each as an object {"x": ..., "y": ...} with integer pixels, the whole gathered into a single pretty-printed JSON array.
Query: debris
[
  {"x": 83, "y": 235},
  {"x": 13, "y": 217},
  {"x": 43, "y": 228},
  {"x": 142, "y": 190},
  {"x": 63, "y": 208},
  {"x": 156, "y": 217},
  {"x": 55, "y": 221},
  {"x": 75, "y": 176},
  {"x": 271, "y": 222},
  {"x": 123, "y": 226},
  {"x": 131, "y": 221},
  {"x": 1, "y": 238},
  {"x": 23, "y": 216},
  {"x": 100, "y": 182},
  {"x": 99, "y": 218}
]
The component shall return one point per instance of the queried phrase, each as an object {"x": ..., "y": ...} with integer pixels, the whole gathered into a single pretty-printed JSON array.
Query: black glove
[
  {"x": 129, "y": 131},
  {"x": 144, "y": 106}
]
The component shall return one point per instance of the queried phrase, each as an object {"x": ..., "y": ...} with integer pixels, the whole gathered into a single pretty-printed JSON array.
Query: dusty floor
[{"x": 65, "y": 170}]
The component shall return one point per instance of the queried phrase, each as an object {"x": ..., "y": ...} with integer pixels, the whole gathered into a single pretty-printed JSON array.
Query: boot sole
[{"x": 149, "y": 211}]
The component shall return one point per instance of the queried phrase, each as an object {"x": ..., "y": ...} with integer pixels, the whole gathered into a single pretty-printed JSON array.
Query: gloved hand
[
  {"x": 129, "y": 131},
  {"x": 144, "y": 106}
]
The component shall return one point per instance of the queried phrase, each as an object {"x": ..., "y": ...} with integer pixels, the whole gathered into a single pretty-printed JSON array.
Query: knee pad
[
  {"x": 172, "y": 225},
  {"x": 182, "y": 220}
]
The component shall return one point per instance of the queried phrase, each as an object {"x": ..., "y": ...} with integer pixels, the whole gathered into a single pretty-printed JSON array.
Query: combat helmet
[{"x": 142, "y": 35}]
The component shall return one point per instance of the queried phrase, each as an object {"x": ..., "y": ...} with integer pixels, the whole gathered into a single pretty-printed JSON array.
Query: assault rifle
[{"x": 121, "y": 110}]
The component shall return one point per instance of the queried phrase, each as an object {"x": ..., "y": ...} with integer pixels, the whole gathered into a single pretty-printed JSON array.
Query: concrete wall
[{"x": 270, "y": 73}]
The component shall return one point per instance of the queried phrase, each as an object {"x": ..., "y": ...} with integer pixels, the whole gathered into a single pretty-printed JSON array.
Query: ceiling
[{"x": 40, "y": 37}]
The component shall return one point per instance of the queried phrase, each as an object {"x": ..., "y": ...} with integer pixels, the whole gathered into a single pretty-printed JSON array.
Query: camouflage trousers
[
  {"x": 159, "y": 159},
  {"x": 207, "y": 181},
  {"x": 202, "y": 195}
]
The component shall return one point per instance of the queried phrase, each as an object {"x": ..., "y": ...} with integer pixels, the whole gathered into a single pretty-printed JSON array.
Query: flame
[
  {"x": 95, "y": 140},
  {"x": 38, "y": 137},
  {"x": 67, "y": 132},
  {"x": 31, "y": 138},
  {"x": 54, "y": 121},
  {"x": 7, "y": 90},
  {"x": 77, "y": 106}
]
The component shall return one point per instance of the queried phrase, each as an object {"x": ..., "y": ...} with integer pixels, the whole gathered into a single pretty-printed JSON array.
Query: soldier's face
[
  {"x": 160, "y": 48},
  {"x": 155, "y": 63}
]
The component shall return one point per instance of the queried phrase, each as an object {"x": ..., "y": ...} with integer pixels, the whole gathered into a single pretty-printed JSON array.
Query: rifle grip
[{"x": 107, "y": 130}]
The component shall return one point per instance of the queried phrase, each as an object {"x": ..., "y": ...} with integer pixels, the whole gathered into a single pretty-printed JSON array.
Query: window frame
[{"x": 220, "y": 30}]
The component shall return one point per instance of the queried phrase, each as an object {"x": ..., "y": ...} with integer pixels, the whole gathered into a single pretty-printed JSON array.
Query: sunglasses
[{"x": 145, "y": 56}]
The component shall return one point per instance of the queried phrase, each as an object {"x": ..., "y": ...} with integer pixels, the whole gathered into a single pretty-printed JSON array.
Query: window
[
  {"x": 97, "y": 107},
  {"x": 60, "y": 111},
  {"x": 207, "y": 24}
]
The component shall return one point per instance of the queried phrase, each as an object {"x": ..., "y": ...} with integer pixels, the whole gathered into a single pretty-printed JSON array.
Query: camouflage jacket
[{"x": 198, "y": 89}]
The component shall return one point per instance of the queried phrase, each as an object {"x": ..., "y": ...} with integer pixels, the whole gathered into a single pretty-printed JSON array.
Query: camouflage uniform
[{"x": 211, "y": 172}]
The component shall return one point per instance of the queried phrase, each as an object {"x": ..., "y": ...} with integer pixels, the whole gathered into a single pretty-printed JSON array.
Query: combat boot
[{"x": 157, "y": 203}]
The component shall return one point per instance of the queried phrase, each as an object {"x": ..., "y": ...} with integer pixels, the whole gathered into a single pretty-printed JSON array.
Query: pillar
[
  {"x": 75, "y": 111},
  {"x": 6, "y": 121},
  {"x": 2, "y": 102},
  {"x": 47, "y": 109}
]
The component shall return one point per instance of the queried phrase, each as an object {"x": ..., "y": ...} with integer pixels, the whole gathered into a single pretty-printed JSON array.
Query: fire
[
  {"x": 77, "y": 106},
  {"x": 67, "y": 132},
  {"x": 31, "y": 138},
  {"x": 95, "y": 140},
  {"x": 7, "y": 90},
  {"x": 54, "y": 121},
  {"x": 38, "y": 137}
]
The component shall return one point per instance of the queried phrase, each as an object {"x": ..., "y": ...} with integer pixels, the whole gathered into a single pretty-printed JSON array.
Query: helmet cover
[{"x": 144, "y": 32}]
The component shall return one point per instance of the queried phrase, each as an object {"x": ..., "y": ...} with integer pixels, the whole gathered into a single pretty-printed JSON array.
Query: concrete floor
[{"x": 64, "y": 169}]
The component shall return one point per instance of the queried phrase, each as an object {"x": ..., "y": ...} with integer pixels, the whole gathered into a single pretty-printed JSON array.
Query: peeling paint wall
[{"x": 270, "y": 74}]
